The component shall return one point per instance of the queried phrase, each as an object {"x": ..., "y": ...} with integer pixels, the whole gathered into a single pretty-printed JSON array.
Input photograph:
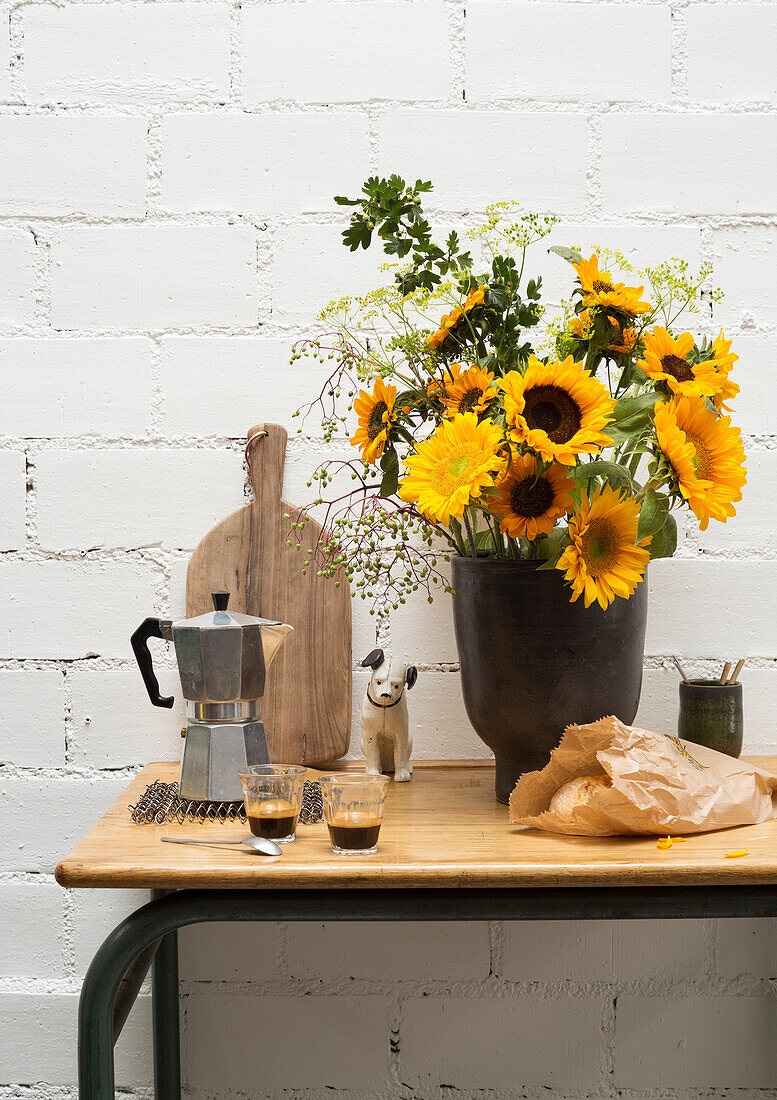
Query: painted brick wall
[{"x": 166, "y": 229}]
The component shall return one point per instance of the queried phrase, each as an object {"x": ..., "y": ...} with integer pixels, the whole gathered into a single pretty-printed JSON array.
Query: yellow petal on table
[
  {"x": 735, "y": 855},
  {"x": 668, "y": 841}
]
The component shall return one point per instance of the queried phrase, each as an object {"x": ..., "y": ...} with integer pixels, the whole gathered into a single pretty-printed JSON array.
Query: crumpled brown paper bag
[{"x": 660, "y": 785}]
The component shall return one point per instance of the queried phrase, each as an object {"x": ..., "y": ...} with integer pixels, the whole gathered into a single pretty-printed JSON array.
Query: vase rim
[{"x": 520, "y": 563}]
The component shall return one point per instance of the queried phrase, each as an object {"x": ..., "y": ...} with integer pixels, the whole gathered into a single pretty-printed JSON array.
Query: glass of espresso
[
  {"x": 272, "y": 794},
  {"x": 353, "y": 811}
]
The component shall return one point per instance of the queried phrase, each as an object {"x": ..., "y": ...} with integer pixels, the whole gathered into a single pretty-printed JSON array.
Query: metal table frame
[{"x": 148, "y": 938}]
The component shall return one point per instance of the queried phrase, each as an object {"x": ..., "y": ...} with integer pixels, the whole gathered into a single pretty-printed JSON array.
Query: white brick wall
[
  {"x": 12, "y": 500},
  {"x": 722, "y": 1042},
  {"x": 18, "y": 277},
  {"x": 345, "y": 52},
  {"x": 732, "y": 183},
  {"x": 235, "y": 379},
  {"x": 504, "y": 153},
  {"x": 90, "y": 499},
  {"x": 5, "y": 62},
  {"x": 82, "y": 387},
  {"x": 251, "y": 162},
  {"x": 34, "y": 702},
  {"x": 487, "y": 1043},
  {"x": 512, "y": 51},
  {"x": 81, "y": 164},
  {"x": 126, "y": 53},
  {"x": 345, "y": 1040},
  {"x": 727, "y": 52},
  {"x": 166, "y": 230},
  {"x": 154, "y": 277}
]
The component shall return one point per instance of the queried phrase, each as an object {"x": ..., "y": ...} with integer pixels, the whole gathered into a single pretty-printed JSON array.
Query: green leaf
[
  {"x": 653, "y": 513},
  {"x": 632, "y": 375},
  {"x": 612, "y": 472},
  {"x": 389, "y": 464},
  {"x": 533, "y": 288},
  {"x": 552, "y": 547},
  {"x": 484, "y": 540},
  {"x": 664, "y": 542},
  {"x": 632, "y": 415},
  {"x": 567, "y": 254}
]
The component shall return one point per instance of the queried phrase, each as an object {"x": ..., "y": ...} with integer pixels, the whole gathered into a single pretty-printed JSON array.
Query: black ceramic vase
[{"x": 532, "y": 662}]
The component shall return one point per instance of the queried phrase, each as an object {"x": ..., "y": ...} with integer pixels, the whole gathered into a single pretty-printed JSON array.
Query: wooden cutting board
[{"x": 307, "y": 707}]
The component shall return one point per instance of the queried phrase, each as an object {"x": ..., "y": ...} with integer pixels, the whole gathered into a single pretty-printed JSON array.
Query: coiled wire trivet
[{"x": 161, "y": 803}]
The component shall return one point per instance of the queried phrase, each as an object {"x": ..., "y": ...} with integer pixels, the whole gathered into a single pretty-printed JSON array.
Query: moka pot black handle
[{"x": 151, "y": 628}]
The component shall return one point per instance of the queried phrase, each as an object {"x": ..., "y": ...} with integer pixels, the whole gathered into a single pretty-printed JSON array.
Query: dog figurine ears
[{"x": 375, "y": 659}]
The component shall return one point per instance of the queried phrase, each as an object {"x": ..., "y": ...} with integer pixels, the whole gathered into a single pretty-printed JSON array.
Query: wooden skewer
[
  {"x": 724, "y": 674},
  {"x": 680, "y": 668},
  {"x": 733, "y": 678}
]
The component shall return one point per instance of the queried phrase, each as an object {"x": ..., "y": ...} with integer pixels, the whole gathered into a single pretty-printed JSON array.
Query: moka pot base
[{"x": 214, "y": 753}]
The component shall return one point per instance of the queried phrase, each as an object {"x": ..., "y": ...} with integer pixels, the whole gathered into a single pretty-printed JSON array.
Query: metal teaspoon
[{"x": 258, "y": 843}]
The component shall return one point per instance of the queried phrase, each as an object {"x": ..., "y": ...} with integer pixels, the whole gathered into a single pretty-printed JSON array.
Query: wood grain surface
[
  {"x": 307, "y": 706},
  {"x": 442, "y": 829}
]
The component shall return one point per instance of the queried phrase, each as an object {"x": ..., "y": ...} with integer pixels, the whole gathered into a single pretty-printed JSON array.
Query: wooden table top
[{"x": 443, "y": 829}]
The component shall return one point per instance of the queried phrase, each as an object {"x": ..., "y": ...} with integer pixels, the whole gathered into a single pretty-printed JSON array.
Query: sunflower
[
  {"x": 599, "y": 289},
  {"x": 453, "y": 466},
  {"x": 723, "y": 359},
  {"x": 450, "y": 320},
  {"x": 447, "y": 322},
  {"x": 469, "y": 390},
  {"x": 622, "y": 340},
  {"x": 666, "y": 360},
  {"x": 604, "y": 560},
  {"x": 529, "y": 501},
  {"x": 557, "y": 409},
  {"x": 706, "y": 455},
  {"x": 475, "y": 297},
  {"x": 374, "y": 411}
]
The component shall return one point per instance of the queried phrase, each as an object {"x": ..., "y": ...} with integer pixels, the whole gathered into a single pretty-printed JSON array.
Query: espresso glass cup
[
  {"x": 272, "y": 794},
  {"x": 353, "y": 811}
]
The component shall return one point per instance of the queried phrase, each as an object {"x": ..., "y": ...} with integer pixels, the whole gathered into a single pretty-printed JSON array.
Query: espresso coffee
[
  {"x": 273, "y": 819},
  {"x": 354, "y": 830}
]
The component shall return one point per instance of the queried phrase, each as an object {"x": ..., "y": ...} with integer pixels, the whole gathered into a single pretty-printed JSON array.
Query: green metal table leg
[
  {"x": 126, "y": 950},
  {"x": 129, "y": 989},
  {"x": 167, "y": 1028}
]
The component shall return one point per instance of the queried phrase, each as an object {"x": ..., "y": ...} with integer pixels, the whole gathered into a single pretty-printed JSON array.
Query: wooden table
[{"x": 446, "y": 852}]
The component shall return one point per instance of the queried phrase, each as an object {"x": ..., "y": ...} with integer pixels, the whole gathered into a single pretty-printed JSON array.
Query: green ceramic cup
[{"x": 711, "y": 715}]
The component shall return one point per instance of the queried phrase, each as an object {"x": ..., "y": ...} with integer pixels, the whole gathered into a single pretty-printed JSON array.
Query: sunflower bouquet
[{"x": 573, "y": 449}]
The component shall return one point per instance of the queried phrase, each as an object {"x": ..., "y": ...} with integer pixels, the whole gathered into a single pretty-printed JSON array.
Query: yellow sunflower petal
[
  {"x": 469, "y": 390},
  {"x": 529, "y": 502},
  {"x": 666, "y": 360},
  {"x": 604, "y": 559},
  {"x": 374, "y": 411},
  {"x": 599, "y": 289},
  {"x": 453, "y": 466},
  {"x": 557, "y": 409},
  {"x": 706, "y": 455}
]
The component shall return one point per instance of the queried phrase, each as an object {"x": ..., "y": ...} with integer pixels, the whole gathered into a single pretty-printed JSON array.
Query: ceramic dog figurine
[{"x": 386, "y": 741}]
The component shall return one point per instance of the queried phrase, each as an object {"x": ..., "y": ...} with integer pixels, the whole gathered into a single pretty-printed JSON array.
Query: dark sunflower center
[
  {"x": 677, "y": 367},
  {"x": 470, "y": 400},
  {"x": 531, "y": 497},
  {"x": 553, "y": 411},
  {"x": 375, "y": 424},
  {"x": 601, "y": 286}
]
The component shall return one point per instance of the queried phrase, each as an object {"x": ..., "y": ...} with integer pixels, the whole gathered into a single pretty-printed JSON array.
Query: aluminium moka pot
[{"x": 222, "y": 659}]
